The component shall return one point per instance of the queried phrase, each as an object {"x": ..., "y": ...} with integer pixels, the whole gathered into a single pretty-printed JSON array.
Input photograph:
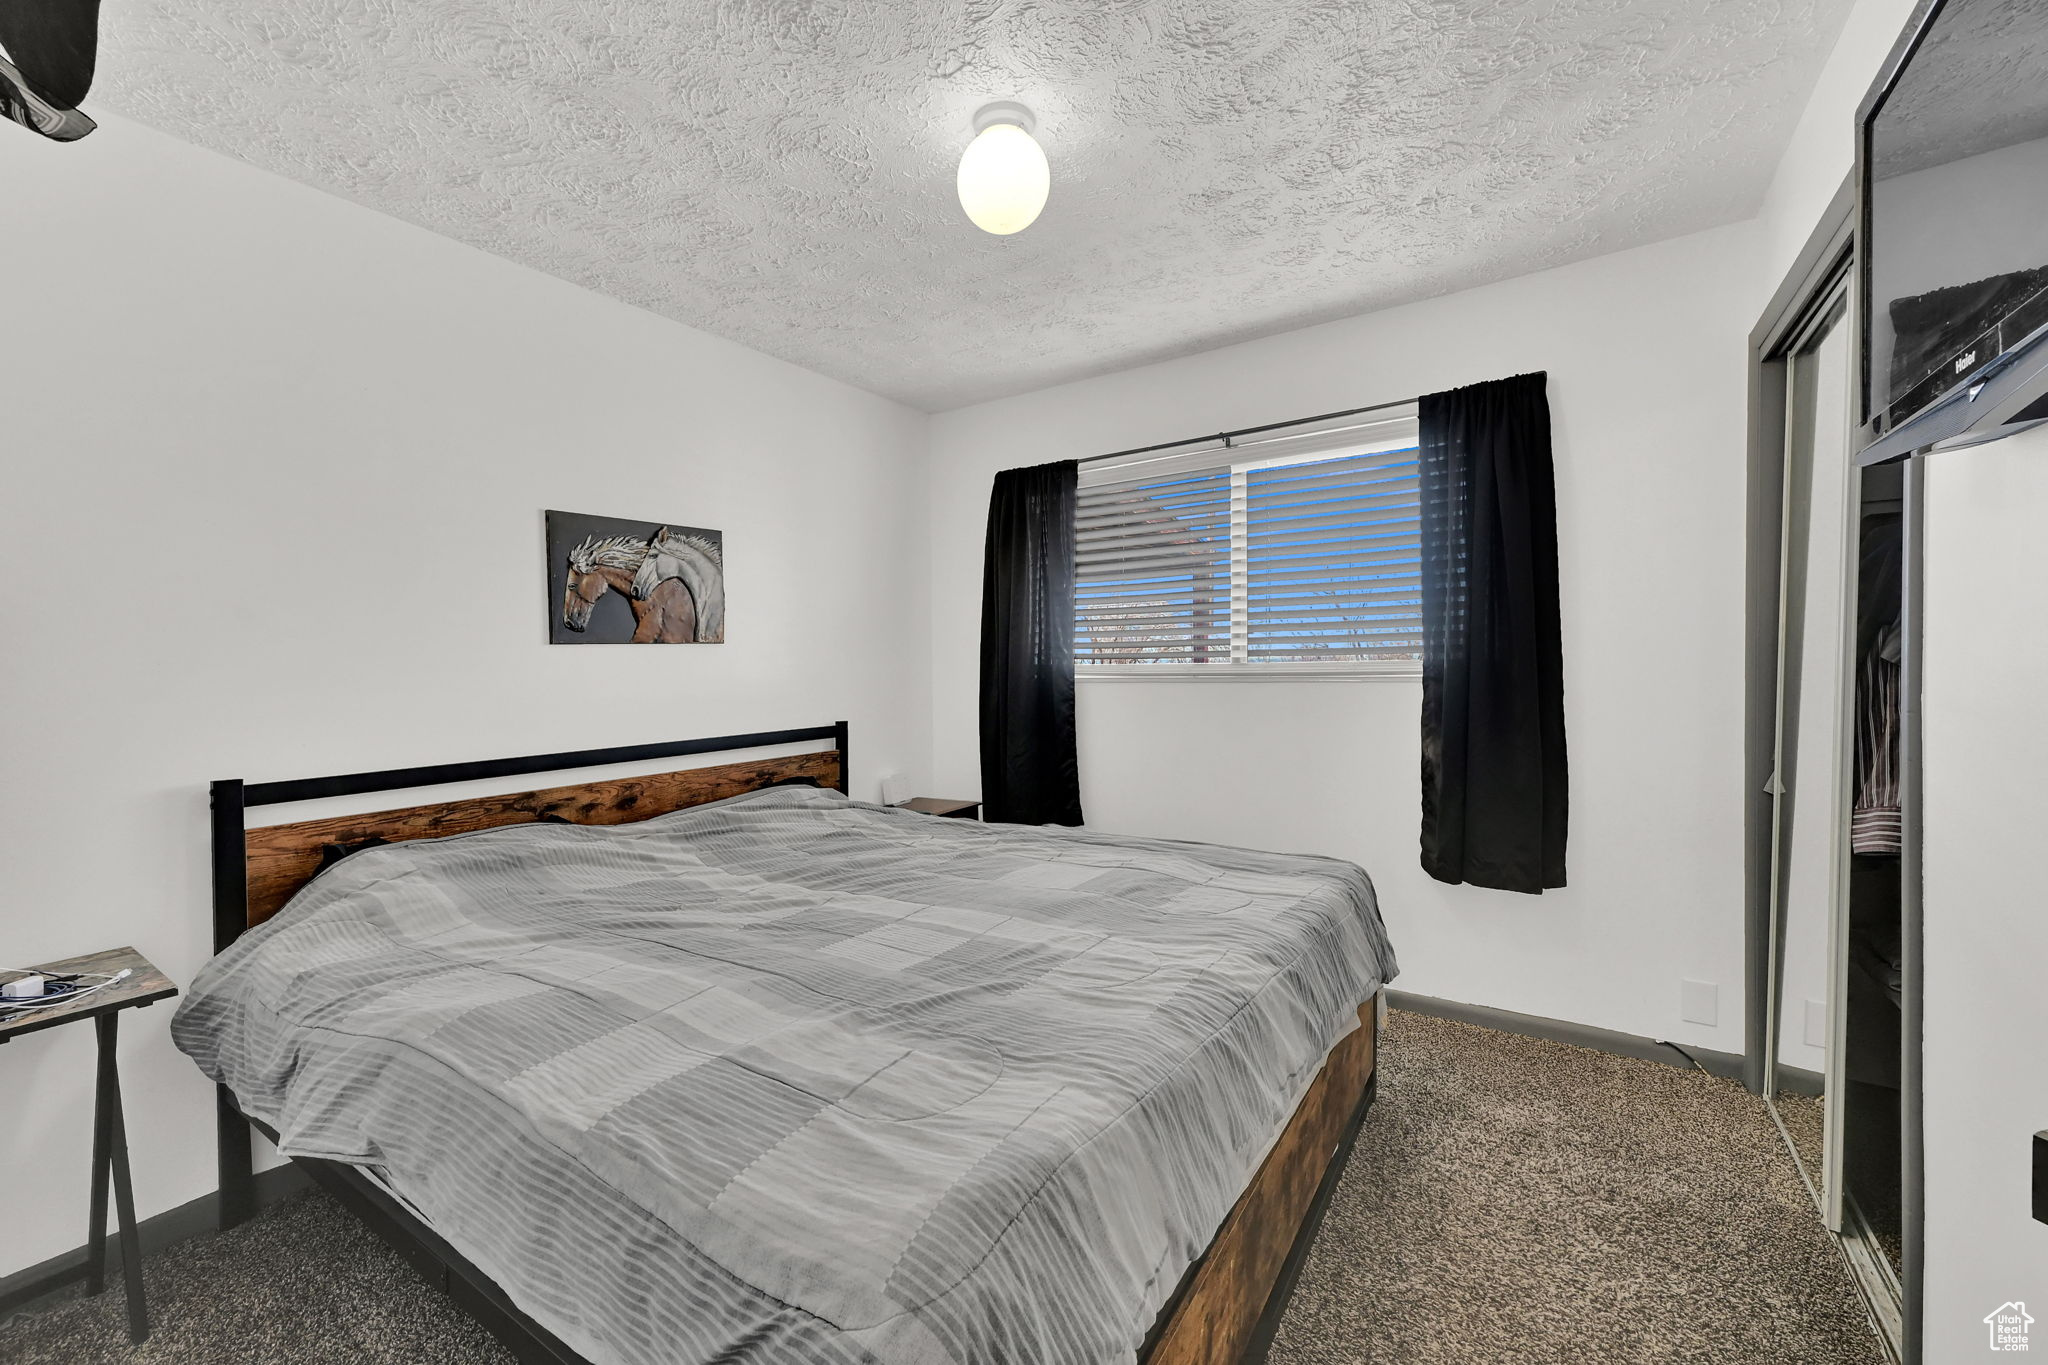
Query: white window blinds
[{"x": 1251, "y": 561}]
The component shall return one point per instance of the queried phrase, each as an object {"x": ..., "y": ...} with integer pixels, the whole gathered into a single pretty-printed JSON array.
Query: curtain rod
[{"x": 1227, "y": 437}]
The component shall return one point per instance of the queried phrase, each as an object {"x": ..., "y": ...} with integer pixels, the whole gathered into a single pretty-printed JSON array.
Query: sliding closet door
[{"x": 1813, "y": 753}]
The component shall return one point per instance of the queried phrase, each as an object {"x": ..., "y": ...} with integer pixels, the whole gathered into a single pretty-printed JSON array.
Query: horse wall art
[{"x": 613, "y": 581}]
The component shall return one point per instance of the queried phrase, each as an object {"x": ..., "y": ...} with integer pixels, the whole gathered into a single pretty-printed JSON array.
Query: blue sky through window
[{"x": 1310, "y": 559}]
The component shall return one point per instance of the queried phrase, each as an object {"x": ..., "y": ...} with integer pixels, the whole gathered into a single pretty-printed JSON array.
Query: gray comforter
[{"x": 791, "y": 1078}]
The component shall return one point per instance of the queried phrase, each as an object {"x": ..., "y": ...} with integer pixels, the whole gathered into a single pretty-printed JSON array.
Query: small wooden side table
[
  {"x": 943, "y": 807},
  {"x": 145, "y": 986}
]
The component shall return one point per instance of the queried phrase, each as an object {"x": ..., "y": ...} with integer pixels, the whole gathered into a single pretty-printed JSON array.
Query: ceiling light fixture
[{"x": 1003, "y": 176}]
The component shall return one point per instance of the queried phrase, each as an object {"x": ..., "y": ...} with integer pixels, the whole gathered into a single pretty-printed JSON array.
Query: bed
[{"x": 719, "y": 1064}]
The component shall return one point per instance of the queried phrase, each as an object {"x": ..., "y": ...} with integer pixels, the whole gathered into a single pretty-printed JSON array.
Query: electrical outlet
[
  {"x": 1699, "y": 1002},
  {"x": 1816, "y": 1023}
]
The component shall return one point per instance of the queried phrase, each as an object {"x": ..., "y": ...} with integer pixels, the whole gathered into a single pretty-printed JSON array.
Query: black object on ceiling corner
[{"x": 49, "y": 51}]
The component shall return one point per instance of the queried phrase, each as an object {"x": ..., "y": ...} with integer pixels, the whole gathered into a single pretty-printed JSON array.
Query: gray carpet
[
  {"x": 1509, "y": 1200},
  {"x": 1517, "y": 1200}
]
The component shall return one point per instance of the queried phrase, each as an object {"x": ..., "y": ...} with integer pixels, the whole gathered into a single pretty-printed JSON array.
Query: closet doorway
[
  {"x": 1809, "y": 777},
  {"x": 1810, "y": 770},
  {"x": 1824, "y": 818}
]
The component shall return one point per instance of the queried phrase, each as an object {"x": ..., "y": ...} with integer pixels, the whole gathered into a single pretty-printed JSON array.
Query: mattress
[{"x": 793, "y": 1078}]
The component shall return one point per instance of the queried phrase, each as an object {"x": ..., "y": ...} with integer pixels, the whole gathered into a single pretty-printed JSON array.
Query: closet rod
[{"x": 1227, "y": 437}]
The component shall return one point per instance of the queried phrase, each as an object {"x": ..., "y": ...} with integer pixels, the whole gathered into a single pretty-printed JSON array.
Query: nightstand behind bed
[
  {"x": 146, "y": 986},
  {"x": 943, "y": 807}
]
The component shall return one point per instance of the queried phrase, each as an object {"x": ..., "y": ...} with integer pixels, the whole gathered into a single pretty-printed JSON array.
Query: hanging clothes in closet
[{"x": 1874, "y": 826}]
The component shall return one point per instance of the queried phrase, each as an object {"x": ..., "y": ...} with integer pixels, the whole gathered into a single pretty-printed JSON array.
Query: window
[{"x": 1230, "y": 563}]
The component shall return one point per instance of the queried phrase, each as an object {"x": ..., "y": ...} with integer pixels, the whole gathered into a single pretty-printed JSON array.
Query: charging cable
[{"x": 54, "y": 990}]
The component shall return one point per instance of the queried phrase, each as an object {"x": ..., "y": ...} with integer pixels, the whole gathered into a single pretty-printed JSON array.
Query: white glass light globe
[{"x": 1003, "y": 179}]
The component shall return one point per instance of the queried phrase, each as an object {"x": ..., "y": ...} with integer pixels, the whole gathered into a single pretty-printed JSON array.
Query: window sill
[{"x": 1386, "y": 670}]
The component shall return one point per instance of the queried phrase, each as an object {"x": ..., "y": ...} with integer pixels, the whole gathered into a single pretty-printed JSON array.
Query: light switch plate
[
  {"x": 1699, "y": 1002},
  {"x": 1816, "y": 1023}
]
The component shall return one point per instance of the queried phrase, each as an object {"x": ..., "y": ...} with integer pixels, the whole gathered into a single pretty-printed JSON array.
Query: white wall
[
  {"x": 275, "y": 468},
  {"x": 1985, "y": 758},
  {"x": 1645, "y": 355},
  {"x": 1823, "y": 146}
]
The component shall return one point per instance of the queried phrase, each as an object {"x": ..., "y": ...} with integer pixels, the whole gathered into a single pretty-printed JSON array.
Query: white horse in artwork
[
  {"x": 699, "y": 564},
  {"x": 675, "y": 585}
]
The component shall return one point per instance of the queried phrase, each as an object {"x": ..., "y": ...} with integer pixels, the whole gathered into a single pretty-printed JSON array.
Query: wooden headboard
[{"x": 255, "y": 871}]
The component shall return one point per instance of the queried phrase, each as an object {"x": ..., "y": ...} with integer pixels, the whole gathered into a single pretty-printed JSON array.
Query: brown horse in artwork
[{"x": 667, "y": 615}]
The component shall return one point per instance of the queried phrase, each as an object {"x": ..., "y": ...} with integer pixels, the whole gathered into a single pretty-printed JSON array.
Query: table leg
[
  {"x": 102, "y": 1116},
  {"x": 124, "y": 1194}
]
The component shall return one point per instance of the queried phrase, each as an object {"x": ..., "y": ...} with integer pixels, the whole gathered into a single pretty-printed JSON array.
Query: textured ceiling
[{"x": 782, "y": 173}]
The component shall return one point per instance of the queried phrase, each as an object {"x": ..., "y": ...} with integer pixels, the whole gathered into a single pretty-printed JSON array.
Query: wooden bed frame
[{"x": 1226, "y": 1306}]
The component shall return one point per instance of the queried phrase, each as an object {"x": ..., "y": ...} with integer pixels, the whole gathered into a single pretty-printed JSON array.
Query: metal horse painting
[{"x": 671, "y": 578}]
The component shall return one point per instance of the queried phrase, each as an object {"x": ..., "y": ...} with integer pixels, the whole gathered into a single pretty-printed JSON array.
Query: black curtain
[
  {"x": 1493, "y": 761},
  {"x": 1029, "y": 774}
]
